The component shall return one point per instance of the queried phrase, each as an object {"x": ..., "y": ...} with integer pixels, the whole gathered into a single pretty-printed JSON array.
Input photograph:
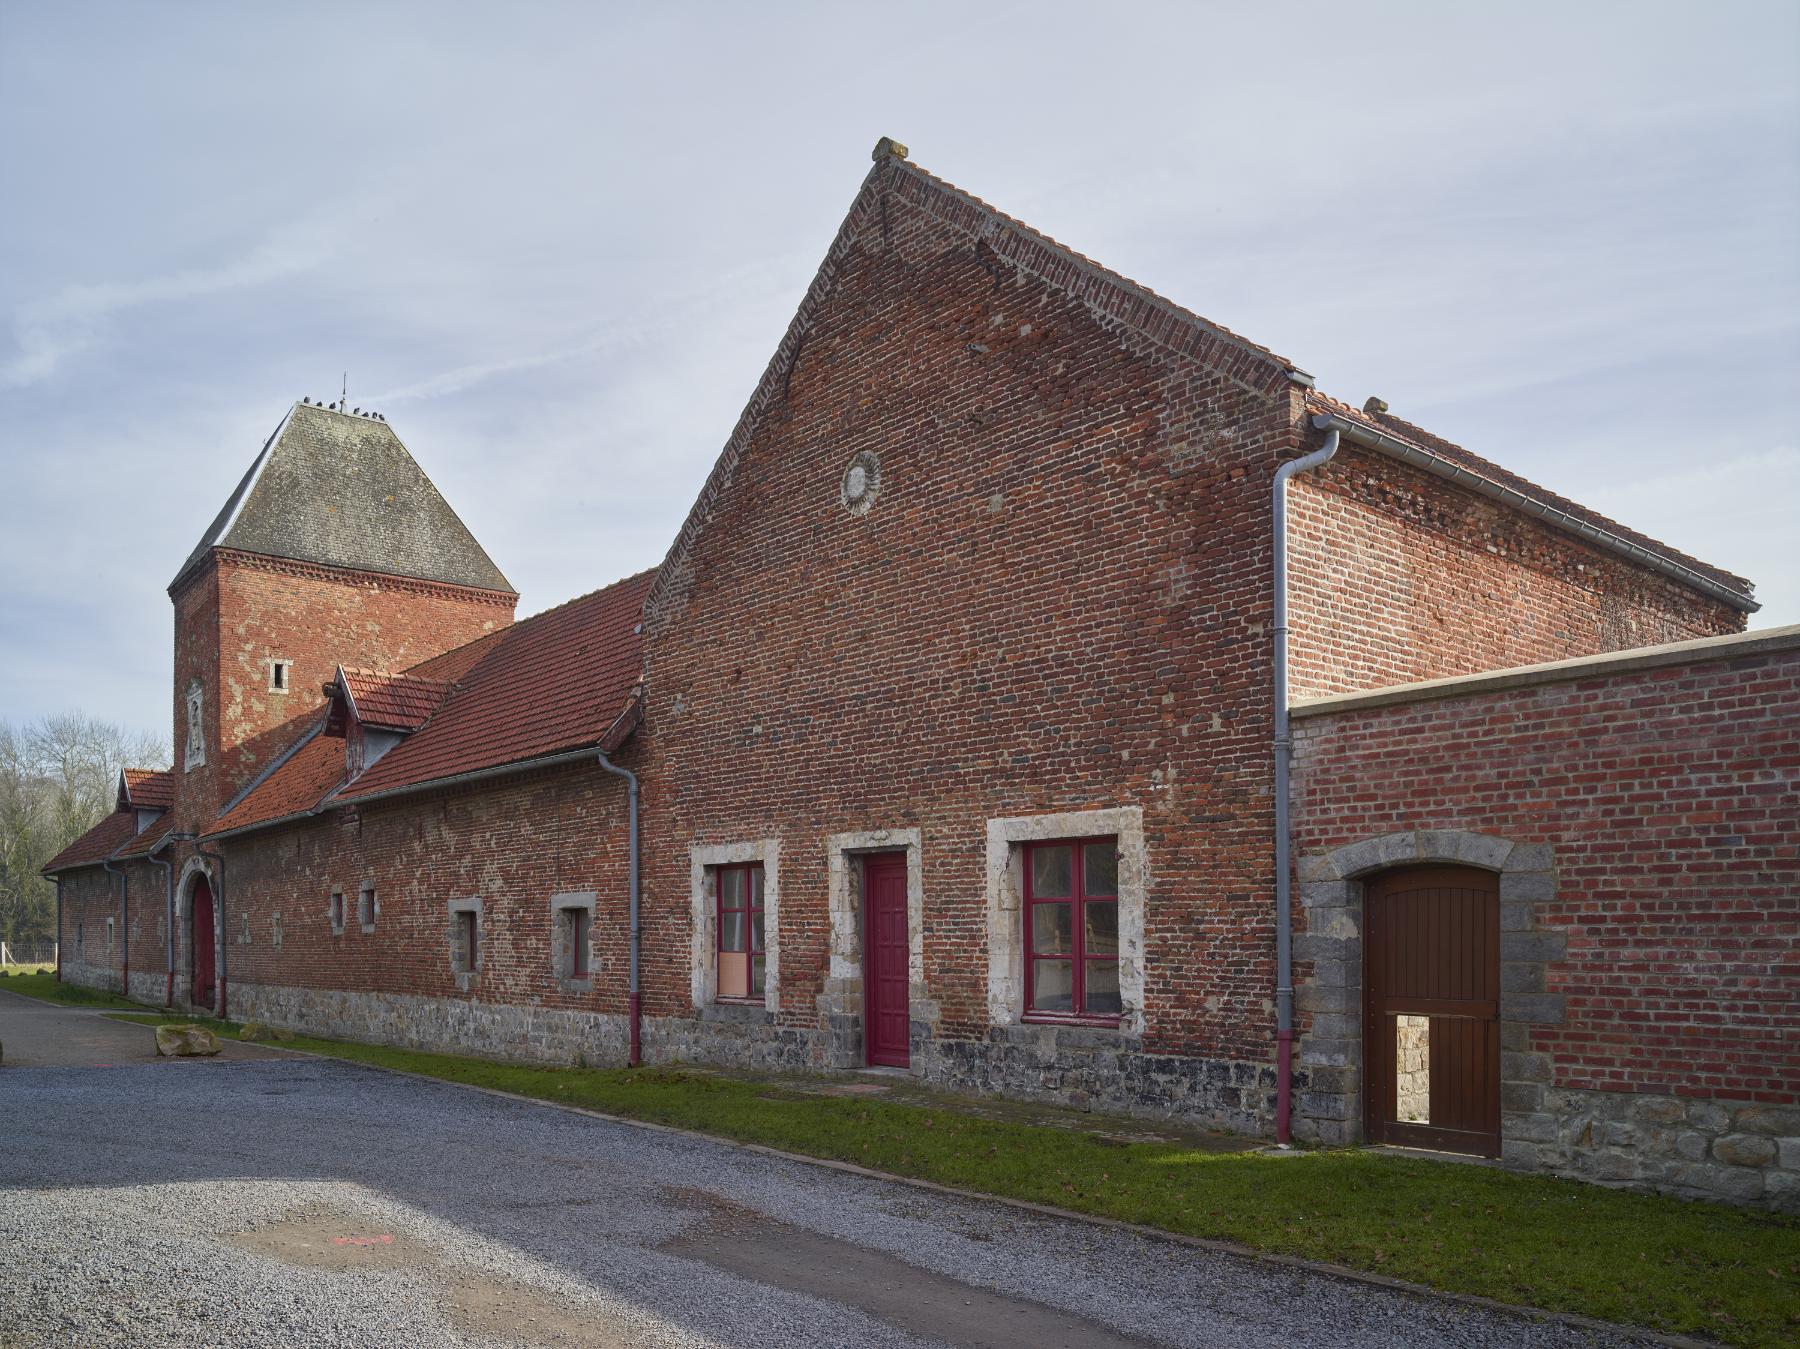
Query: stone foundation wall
[
  {"x": 1744, "y": 1154},
  {"x": 442, "y": 1025}
]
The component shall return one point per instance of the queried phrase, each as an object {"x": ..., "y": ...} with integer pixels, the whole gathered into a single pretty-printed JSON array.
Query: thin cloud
[{"x": 48, "y": 332}]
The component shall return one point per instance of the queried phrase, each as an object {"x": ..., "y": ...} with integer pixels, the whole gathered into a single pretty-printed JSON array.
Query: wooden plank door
[
  {"x": 887, "y": 1019},
  {"x": 204, "y": 993},
  {"x": 1431, "y": 1009}
]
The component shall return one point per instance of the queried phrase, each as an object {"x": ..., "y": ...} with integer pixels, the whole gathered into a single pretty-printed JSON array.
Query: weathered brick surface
[
  {"x": 1671, "y": 921},
  {"x": 242, "y": 611},
  {"x": 1057, "y": 601},
  {"x": 514, "y": 845},
  {"x": 1397, "y": 575}
]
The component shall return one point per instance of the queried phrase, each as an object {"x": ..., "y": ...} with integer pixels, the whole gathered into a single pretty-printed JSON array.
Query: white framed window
[
  {"x": 725, "y": 938},
  {"x": 281, "y": 674},
  {"x": 111, "y": 933}
]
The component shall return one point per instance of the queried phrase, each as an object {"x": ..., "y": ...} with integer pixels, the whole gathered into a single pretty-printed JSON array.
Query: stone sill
[{"x": 738, "y": 1013}]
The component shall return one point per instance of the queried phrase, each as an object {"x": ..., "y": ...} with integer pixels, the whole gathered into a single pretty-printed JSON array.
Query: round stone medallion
[{"x": 861, "y": 483}]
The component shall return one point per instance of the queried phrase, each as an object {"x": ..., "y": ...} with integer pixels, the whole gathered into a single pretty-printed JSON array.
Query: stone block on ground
[
  {"x": 255, "y": 1030},
  {"x": 186, "y": 1041}
]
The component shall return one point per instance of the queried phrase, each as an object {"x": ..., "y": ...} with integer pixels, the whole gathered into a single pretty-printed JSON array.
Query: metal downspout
[
  {"x": 1284, "y": 923},
  {"x": 124, "y": 927},
  {"x": 632, "y": 1004},
  {"x": 168, "y": 869},
  {"x": 224, "y": 928}
]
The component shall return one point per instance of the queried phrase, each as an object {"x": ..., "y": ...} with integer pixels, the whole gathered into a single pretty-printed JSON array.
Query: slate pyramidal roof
[{"x": 340, "y": 490}]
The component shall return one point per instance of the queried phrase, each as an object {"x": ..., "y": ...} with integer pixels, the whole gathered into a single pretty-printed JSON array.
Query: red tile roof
[
  {"x": 141, "y": 846},
  {"x": 1422, "y": 439},
  {"x": 311, "y": 773},
  {"x": 556, "y": 681},
  {"x": 393, "y": 702},
  {"x": 98, "y": 844},
  {"x": 149, "y": 788}
]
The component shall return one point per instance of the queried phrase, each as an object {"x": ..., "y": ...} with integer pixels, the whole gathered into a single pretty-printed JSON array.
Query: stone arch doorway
[
  {"x": 1431, "y": 1008},
  {"x": 1333, "y": 884}
]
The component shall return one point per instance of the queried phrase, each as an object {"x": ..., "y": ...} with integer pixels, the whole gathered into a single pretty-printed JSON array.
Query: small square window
[
  {"x": 337, "y": 913},
  {"x": 367, "y": 907},
  {"x": 280, "y": 675},
  {"x": 742, "y": 959}
]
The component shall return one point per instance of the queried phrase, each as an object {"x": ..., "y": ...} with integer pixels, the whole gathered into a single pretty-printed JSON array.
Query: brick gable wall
[
  {"x": 1058, "y": 601},
  {"x": 1398, "y": 576}
]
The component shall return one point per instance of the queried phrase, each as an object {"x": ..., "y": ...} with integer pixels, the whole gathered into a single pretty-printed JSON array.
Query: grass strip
[
  {"x": 43, "y": 985},
  {"x": 1650, "y": 1260}
]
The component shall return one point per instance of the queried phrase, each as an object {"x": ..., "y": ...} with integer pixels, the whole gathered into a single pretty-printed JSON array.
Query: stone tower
[{"x": 335, "y": 548}]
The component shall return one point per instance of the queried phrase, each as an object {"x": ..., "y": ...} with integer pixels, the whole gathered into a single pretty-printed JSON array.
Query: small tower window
[{"x": 279, "y": 672}]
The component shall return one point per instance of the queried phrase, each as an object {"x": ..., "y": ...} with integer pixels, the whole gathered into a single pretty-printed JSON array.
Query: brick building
[{"x": 944, "y": 735}]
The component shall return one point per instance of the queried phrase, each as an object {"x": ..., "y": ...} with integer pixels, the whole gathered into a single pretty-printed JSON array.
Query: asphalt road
[{"x": 299, "y": 1201}]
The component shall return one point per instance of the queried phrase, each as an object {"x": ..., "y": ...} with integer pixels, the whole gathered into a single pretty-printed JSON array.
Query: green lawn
[
  {"x": 43, "y": 985},
  {"x": 1700, "y": 1269}
]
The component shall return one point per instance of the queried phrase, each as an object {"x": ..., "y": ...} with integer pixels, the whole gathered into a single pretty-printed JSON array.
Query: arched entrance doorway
[
  {"x": 204, "y": 992},
  {"x": 1431, "y": 1008}
]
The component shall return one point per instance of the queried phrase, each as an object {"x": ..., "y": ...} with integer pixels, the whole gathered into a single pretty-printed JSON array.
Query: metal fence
[{"x": 41, "y": 952}]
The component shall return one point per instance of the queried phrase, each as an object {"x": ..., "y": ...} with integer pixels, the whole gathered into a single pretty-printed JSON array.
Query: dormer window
[
  {"x": 196, "y": 729},
  {"x": 280, "y": 675}
]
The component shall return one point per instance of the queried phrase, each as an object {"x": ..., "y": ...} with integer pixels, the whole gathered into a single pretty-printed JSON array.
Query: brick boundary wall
[{"x": 1640, "y": 812}]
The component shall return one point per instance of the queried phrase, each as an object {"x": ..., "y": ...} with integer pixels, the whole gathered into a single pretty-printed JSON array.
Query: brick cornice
[{"x": 348, "y": 576}]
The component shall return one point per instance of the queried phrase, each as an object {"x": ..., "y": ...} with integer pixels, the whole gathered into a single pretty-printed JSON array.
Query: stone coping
[{"x": 1629, "y": 661}]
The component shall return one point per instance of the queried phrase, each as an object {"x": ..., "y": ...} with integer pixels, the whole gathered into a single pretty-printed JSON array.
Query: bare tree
[{"x": 58, "y": 778}]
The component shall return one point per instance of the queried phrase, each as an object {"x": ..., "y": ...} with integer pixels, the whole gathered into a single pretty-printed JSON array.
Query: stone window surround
[
  {"x": 845, "y": 903},
  {"x": 286, "y": 667},
  {"x": 368, "y": 906},
  {"x": 1005, "y": 904},
  {"x": 466, "y": 977},
  {"x": 1331, "y": 891},
  {"x": 111, "y": 935},
  {"x": 704, "y": 974},
  {"x": 334, "y": 912},
  {"x": 571, "y": 901}
]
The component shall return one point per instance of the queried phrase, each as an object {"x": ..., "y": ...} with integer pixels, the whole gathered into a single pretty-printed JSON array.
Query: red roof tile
[
  {"x": 393, "y": 702},
  {"x": 313, "y": 770},
  {"x": 555, "y": 681},
  {"x": 148, "y": 788},
  {"x": 1422, "y": 439},
  {"x": 144, "y": 843},
  {"x": 98, "y": 844}
]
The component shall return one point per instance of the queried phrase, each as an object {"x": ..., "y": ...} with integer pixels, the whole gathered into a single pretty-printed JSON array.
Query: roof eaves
[{"x": 1386, "y": 442}]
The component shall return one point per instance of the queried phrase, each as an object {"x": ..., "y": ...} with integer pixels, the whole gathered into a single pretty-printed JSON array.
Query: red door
[
  {"x": 887, "y": 1012},
  {"x": 204, "y": 994},
  {"x": 1431, "y": 982}
]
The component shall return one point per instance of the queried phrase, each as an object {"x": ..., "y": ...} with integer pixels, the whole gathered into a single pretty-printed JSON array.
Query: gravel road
[{"x": 300, "y": 1201}]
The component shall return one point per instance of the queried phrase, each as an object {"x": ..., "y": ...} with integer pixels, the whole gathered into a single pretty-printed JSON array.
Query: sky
[{"x": 556, "y": 245}]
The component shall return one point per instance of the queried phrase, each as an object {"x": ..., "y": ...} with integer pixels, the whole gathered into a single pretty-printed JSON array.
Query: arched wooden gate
[{"x": 1431, "y": 1009}]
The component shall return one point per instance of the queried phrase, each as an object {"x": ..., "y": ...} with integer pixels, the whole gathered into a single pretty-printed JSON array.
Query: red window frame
[
  {"x": 749, "y": 890},
  {"x": 1077, "y": 956}
]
